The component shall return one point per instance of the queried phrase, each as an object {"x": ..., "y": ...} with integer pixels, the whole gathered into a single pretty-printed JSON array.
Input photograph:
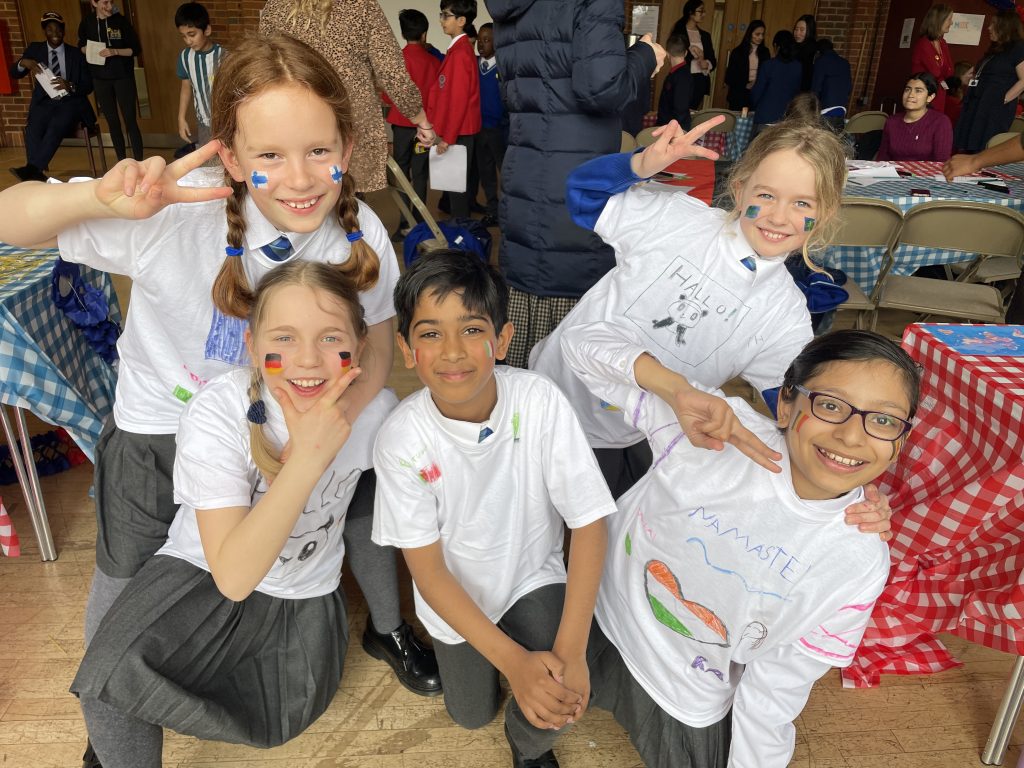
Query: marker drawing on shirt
[
  {"x": 684, "y": 314},
  {"x": 672, "y": 609},
  {"x": 699, "y": 662},
  {"x": 771, "y": 556},
  {"x": 756, "y": 632},
  {"x": 728, "y": 572},
  {"x": 430, "y": 474}
]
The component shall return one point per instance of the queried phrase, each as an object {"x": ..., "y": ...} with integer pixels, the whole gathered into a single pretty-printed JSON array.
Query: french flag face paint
[
  {"x": 259, "y": 179},
  {"x": 336, "y": 174},
  {"x": 753, "y": 211},
  {"x": 273, "y": 364},
  {"x": 346, "y": 361}
]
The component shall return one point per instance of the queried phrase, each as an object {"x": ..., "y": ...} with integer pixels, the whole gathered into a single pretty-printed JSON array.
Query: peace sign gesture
[{"x": 673, "y": 144}]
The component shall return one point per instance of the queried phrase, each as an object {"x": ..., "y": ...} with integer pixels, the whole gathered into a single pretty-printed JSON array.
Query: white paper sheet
[
  {"x": 879, "y": 169},
  {"x": 92, "y": 52},
  {"x": 45, "y": 79},
  {"x": 448, "y": 171}
]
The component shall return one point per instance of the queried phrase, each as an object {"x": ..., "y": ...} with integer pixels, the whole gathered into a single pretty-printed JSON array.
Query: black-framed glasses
[
  {"x": 446, "y": 15},
  {"x": 834, "y": 410}
]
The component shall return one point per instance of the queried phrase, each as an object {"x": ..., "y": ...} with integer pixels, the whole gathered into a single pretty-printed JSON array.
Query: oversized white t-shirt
[
  {"x": 678, "y": 280},
  {"x": 213, "y": 469},
  {"x": 173, "y": 259},
  {"x": 715, "y": 563},
  {"x": 497, "y": 506}
]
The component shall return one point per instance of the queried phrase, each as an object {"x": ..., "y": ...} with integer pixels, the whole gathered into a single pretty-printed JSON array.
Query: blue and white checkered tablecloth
[
  {"x": 864, "y": 264},
  {"x": 46, "y": 366},
  {"x": 739, "y": 138}
]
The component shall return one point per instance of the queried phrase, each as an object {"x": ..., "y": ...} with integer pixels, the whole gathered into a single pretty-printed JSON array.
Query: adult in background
[
  {"x": 963, "y": 73},
  {"x": 114, "y": 80},
  {"x": 998, "y": 80},
  {"x": 931, "y": 53},
  {"x": 50, "y": 119},
  {"x": 744, "y": 61},
  {"x": 778, "y": 81},
  {"x": 701, "y": 49},
  {"x": 832, "y": 83},
  {"x": 356, "y": 38},
  {"x": 557, "y": 122},
  {"x": 920, "y": 132},
  {"x": 805, "y": 33}
]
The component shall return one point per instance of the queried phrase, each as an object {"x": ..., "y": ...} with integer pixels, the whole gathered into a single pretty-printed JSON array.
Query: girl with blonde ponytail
[{"x": 247, "y": 583}]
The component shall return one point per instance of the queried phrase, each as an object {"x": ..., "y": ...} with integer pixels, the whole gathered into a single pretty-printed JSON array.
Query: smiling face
[
  {"x": 298, "y": 342},
  {"x": 284, "y": 149},
  {"x": 776, "y": 204},
  {"x": 104, "y": 8},
  {"x": 828, "y": 460},
  {"x": 916, "y": 97},
  {"x": 800, "y": 31},
  {"x": 54, "y": 34},
  {"x": 757, "y": 36},
  {"x": 453, "y": 351},
  {"x": 196, "y": 39}
]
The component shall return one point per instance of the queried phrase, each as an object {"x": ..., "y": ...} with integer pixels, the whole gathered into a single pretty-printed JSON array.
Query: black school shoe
[
  {"x": 89, "y": 759},
  {"x": 414, "y": 663},
  {"x": 28, "y": 173},
  {"x": 547, "y": 760}
]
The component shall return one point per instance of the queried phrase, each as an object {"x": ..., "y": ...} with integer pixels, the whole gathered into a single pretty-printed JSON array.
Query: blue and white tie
[{"x": 279, "y": 250}]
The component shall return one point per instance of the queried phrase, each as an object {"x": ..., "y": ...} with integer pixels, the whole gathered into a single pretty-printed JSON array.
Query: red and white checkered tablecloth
[
  {"x": 929, "y": 169},
  {"x": 957, "y": 495}
]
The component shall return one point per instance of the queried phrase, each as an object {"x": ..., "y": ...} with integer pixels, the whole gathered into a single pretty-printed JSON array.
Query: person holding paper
[
  {"x": 114, "y": 78},
  {"x": 62, "y": 83}
]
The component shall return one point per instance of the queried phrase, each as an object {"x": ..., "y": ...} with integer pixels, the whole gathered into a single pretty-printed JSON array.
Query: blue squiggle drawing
[{"x": 727, "y": 572}]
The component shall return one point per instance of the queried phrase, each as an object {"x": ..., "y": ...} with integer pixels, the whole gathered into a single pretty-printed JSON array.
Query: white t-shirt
[
  {"x": 678, "y": 279},
  {"x": 173, "y": 259},
  {"x": 213, "y": 469},
  {"x": 715, "y": 563},
  {"x": 497, "y": 506}
]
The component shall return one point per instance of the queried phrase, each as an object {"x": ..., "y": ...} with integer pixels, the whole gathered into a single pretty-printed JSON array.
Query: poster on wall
[
  {"x": 907, "y": 35},
  {"x": 966, "y": 29}
]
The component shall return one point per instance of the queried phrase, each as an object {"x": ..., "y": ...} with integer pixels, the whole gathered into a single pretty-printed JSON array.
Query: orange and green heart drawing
[{"x": 671, "y": 608}]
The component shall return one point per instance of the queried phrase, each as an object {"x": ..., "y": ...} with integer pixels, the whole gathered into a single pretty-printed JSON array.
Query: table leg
[
  {"x": 28, "y": 479},
  {"x": 1006, "y": 717}
]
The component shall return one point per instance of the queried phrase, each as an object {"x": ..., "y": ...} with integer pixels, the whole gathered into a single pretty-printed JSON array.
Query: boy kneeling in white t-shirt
[
  {"x": 476, "y": 475},
  {"x": 728, "y": 589}
]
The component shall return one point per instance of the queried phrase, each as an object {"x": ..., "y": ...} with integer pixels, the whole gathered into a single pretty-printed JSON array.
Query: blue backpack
[{"x": 463, "y": 234}]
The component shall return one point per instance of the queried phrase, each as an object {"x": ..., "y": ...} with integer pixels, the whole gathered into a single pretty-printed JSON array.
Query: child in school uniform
[
  {"x": 476, "y": 475},
  {"x": 728, "y": 590},
  {"x": 453, "y": 101},
  {"x": 491, "y": 141},
  {"x": 288, "y": 198},
  {"x": 236, "y": 630},
  {"x": 674, "y": 103},
  {"x": 423, "y": 68}
]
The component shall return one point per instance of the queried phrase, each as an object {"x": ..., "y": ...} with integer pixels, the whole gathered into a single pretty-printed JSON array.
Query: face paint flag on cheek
[
  {"x": 272, "y": 364},
  {"x": 416, "y": 356},
  {"x": 489, "y": 349},
  {"x": 801, "y": 420},
  {"x": 753, "y": 211},
  {"x": 346, "y": 360},
  {"x": 336, "y": 174},
  {"x": 808, "y": 224},
  {"x": 259, "y": 179}
]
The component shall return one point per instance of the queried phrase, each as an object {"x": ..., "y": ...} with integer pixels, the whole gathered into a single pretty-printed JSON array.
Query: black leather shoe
[
  {"x": 547, "y": 760},
  {"x": 89, "y": 759},
  {"x": 21, "y": 173},
  {"x": 414, "y": 663}
]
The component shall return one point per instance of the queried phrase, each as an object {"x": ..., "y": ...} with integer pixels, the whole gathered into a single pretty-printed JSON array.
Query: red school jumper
[
  {"x": 422, "y": 67},
  {"x": 453, "y": 104}
]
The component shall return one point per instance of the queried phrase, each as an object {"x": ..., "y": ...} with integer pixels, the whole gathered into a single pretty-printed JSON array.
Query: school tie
[
  {"x": 54, "y": 63},
  {"x": 484, "y": 434},
  {"x": 749, "y": 263},
  {"x": 279, "y": 250}
]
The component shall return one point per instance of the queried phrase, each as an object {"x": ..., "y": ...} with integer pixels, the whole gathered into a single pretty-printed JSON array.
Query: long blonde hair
[
  {"x": 251, "y": 68},
  {"x": 311, "y": 274},
  {"x": 823, "y": 151}
]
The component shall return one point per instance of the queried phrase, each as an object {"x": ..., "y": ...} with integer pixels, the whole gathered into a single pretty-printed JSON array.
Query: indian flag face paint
[
  {"x": 416, "y": 356},
  {"x": 753, "y": 211},
  {"x": 801, "y": 419},
  {"x": 489, "y": 348},
  {"x": 346, "y": 361},
  {"x": 259, "y": 179},
  {"x": 808, "y": 224},
  {"x": 272, "y": 363},
  {"x": 336, "y": 174}
]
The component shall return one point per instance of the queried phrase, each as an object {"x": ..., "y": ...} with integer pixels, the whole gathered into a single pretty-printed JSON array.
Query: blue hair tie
[
  {"x": 232, "y": 251},
  {"x": 353, "y": 236},
  {"x": 257, "y": 413}
]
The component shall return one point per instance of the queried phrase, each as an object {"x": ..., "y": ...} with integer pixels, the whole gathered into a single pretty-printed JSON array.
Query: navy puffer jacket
[{"x": 566, "y": 77}]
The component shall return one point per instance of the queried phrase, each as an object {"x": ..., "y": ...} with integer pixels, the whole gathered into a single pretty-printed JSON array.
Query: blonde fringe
[{"x": 268, "y": 463}]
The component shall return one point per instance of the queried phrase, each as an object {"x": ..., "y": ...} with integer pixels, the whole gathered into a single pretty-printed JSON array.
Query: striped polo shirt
[{"x": 199, "y": 69}]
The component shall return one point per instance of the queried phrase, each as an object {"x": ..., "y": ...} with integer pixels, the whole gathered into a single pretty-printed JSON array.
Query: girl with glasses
[{"x": 729, "y": 590}]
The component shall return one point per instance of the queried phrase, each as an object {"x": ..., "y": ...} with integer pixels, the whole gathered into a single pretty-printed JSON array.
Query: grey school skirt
[{"x": 175, "y": 652}]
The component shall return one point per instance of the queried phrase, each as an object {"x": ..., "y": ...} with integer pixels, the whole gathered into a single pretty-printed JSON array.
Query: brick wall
[
  {"x": 857, "y": 28},
  {"x": 232, "y": 20}
]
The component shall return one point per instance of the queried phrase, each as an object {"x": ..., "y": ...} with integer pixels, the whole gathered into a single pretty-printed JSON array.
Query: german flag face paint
[
  {"x": 272, "y": 364},
  {"x": 346, "y": 361}
]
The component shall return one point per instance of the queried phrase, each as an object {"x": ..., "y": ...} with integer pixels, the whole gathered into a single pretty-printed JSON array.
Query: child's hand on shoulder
[
  {"x": 709, "y": 422},
  {"x": 135, "y": 189},
  {"x": 535, "y": 681},
  {"x": 316, "y": 435},
  {"x": 673, "y": 143},
  {"x": 873, "y": 515}
]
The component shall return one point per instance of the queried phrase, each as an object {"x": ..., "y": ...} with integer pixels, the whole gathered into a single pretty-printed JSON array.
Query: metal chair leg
[
  {"x": 28, "y": 479},
  {"x": 1006, "y": 717}
]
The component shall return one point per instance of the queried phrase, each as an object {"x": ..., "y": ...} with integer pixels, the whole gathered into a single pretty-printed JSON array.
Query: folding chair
[
  {"x": 1000, "y": 138},
  {"x": 628, "y": 143},
  {"x": 863, "y": 122},
  {"x": 1017, "y": 126},
  {"x": 400, "y": 185},
  {"x": 867, "y": 223},
  {"x": 985, "y": 229},
  {"x": 646, "y": 137}
]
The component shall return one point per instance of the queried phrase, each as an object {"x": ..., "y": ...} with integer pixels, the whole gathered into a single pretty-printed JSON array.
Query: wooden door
[
  {"x": 32, "y": 10},
  {"x": 161, "y": 44}
]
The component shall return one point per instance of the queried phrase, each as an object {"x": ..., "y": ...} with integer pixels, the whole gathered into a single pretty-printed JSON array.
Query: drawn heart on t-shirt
[{"x": 671, "y": 608}]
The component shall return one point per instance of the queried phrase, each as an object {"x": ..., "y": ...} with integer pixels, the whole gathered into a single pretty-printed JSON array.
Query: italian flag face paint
[
  {"x": 272, "y": 364},
  {"x": 489, "y": 349}
]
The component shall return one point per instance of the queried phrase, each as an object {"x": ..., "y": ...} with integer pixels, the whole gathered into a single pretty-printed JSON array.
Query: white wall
[{"x": 432, "y": 8}]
